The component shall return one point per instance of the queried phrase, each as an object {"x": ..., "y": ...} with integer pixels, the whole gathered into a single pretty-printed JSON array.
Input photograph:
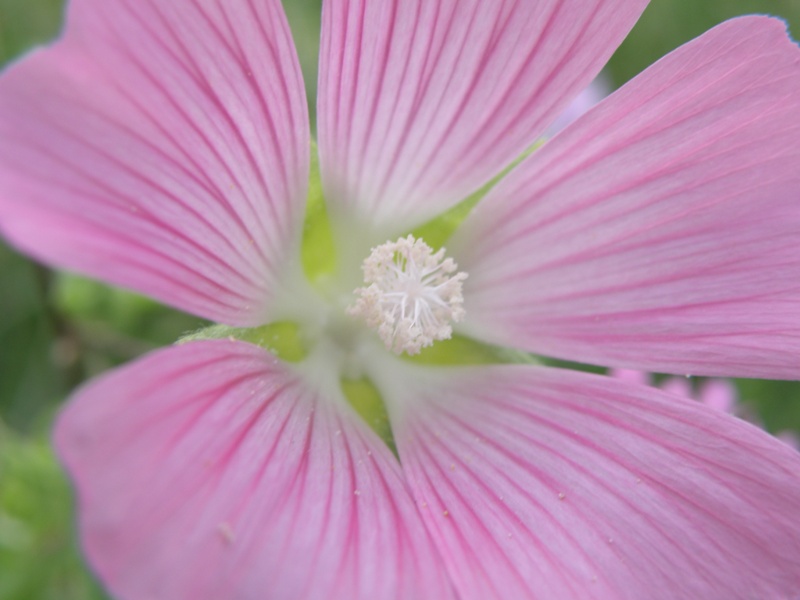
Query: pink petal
[
  {"x": 542, "y": 483},
  {"x": 210, "y": 471},
  {"x": 423, "y": 101},
  {"x": 162, "y": 146},
  {"x": 660, "y": 231}
]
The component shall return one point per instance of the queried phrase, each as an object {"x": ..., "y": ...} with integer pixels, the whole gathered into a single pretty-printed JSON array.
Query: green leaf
[
  {"x": 30, "y": 379},
  {"x": 39, "y": 559}
]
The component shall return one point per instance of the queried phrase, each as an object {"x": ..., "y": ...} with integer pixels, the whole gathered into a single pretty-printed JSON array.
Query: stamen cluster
[{"x": 412, "y": 297}]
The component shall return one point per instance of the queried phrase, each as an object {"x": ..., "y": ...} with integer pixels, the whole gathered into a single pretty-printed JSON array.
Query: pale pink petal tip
[
  {"x": 161, "y": 146},
  {"x": 631, "y": 376},
  {"x": 542, "y": 483},
  {"x": 208, "y": 471},
  {"x": 659, "y": 231},
  {"x": 588, "y": 98},
  {"x": 790, "y": 438}
]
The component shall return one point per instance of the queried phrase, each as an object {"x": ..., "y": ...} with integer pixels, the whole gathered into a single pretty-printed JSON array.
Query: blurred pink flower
[
  {"x": 164, "y": 146},
  {"x": 719, "y": 394}
]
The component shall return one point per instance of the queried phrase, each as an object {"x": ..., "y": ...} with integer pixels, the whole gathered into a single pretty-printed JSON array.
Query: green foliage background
[{"x": 56, "y": 330}]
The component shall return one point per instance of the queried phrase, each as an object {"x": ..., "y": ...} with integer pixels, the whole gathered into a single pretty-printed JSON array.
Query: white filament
[{"x": 412, "y": 296}]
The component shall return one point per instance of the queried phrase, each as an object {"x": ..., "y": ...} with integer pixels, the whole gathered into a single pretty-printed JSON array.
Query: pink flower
[
  {"x": 720, "y": 394},
  {"x": 164, "y": 146}
]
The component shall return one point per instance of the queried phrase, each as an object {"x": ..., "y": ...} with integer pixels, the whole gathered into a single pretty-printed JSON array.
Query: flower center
[{"x": 412, "y": 295}]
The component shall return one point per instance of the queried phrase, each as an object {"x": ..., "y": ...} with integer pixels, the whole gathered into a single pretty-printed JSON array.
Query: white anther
[{"x": 412, "y": 296}]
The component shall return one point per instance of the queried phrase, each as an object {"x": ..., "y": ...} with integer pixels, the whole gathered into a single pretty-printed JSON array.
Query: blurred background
[{"x": 56, "y": 329}]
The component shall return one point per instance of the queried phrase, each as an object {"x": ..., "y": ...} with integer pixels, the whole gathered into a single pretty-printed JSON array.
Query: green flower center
[{"x": 412, "y": 296}]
